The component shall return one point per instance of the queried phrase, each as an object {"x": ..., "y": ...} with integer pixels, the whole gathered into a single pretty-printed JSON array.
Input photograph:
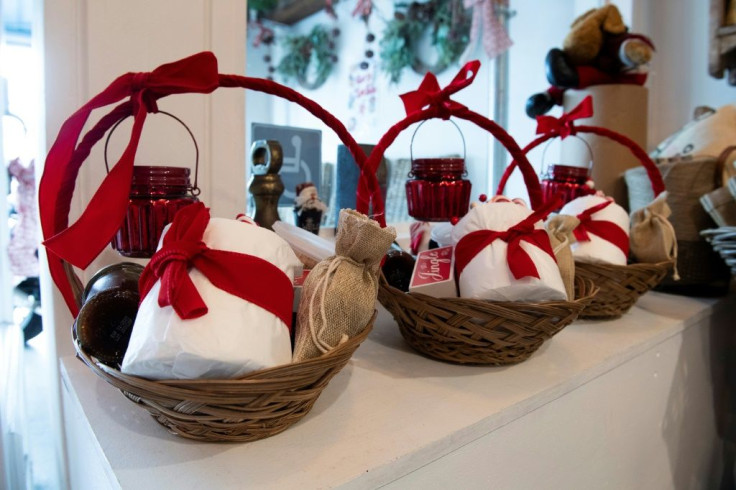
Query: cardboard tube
[{"x": 620, "y": 108}]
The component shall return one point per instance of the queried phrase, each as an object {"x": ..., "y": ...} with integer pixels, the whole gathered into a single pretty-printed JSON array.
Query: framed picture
[{"x": 302, "y": 150}]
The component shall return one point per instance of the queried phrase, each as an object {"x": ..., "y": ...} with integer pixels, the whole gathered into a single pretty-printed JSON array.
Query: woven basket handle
[
  {"x": 655, "y": 177},
  {"x": 63, "y": 273},
  {"x": 432, "y": 112}
]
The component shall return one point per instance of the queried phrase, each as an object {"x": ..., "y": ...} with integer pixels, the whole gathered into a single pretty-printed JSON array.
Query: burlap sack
[
  {"x": 559, "y": 229},
  {"x": 339, "y": 295},
  {"x": 652, "y": 237}
]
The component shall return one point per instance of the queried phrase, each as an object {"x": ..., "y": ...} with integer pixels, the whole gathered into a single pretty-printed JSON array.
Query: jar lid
[
  {"x": 569, "y": 171},
  {"x": 438, "y": 165},
  {"x": 160, "y": 176}
]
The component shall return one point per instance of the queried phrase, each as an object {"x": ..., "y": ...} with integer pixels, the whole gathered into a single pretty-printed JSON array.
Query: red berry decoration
[
  {"x": 454, "y": 220},
  {"x": 482, "y": 198}
]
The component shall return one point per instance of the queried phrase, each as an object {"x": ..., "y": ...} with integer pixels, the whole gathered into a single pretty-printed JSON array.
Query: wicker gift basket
[
  {"x": 462, "y": 330},
  {"x": 620, "y": 285},
  {"x": 258, "y": 405}
]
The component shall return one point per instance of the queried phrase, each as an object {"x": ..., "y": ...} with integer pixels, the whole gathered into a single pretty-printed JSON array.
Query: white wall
[{"x": 679, "y": 79}]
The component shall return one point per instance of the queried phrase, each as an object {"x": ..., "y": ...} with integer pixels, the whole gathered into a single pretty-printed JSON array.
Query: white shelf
[{"x": 389, "y": 413}]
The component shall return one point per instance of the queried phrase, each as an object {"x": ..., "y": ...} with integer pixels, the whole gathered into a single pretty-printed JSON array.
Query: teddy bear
[{"x": 599, "y": 49}]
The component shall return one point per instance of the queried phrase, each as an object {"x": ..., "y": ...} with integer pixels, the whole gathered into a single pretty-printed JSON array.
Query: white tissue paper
[
  {"x": 487, "y": 275},
  {"x": 597, "y": 249},
  {"x": 234, "y": 337}
]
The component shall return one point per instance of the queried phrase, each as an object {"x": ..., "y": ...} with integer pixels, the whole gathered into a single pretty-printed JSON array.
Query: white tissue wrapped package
[
  {"x": 487, "y": 275},
  {"x": 233, "y": 338},
  {"x": 597, "y": 249}
]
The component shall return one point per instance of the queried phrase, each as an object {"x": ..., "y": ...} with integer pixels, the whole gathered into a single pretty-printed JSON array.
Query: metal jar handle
[
  {"x": 194, "y": 189},
  {"x": 546, "y": 147},
  {"x": 462, "y": 138}
]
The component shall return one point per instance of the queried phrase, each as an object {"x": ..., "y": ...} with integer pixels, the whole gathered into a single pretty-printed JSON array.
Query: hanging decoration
[
  {"x": 486, "y": 19},
  {"x": 448, "y": 24},
  {"x": 310, "y": 59},
  {"x": 265, "y": 37}
]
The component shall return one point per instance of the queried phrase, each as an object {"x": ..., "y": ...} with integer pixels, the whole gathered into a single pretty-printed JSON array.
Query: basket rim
[
  {"x": 668, "y": 264},
  {"x": 591, "y": 290},
  {"x": 262, "y": 376}
]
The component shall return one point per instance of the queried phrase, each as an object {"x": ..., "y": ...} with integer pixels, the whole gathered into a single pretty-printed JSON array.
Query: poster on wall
[
  {"x": 362, "y": 97},
  {"x": 302, "y": 150}
]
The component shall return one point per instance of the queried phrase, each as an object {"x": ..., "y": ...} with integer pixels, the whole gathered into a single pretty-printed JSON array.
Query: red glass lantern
[
  {"x": 566, "y": 181},
  {"x": 436, "y": 189},
  {"x": 156, "y": 194}
]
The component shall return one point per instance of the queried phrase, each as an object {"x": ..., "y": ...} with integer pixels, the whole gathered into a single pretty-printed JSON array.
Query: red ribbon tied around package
[
  {"x": 245, "y": 276},
  {"x": 520, "y": 264},
  {"x": 81, "y": 242},
  {"x": 607, "y": 230},
  {"x": 564, "y": 125},
  {"x": 430, "y": 94}
]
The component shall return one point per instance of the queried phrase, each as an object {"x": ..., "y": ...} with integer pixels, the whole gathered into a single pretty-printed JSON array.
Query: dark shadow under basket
[
  {"x": 259, "y": 405},
  {"x": 471, "y": 331},
  {"x": 620, "y": 286}
]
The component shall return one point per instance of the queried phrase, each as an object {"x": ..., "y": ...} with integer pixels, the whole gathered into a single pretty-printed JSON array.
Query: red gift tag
[{"x": 434, "y": 273}]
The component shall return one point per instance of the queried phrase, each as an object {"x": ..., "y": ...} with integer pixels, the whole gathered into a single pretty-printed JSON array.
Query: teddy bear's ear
[
  {"x": 612, "y": 21},
  {"x": 582, "y": 18}
]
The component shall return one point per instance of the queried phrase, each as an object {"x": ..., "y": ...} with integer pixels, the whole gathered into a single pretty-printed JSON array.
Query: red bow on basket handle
[
  {"x": 429, "y": 93},
  {"x": 518, "y": 260},
  {"x": 549, "y": 127},
  {"x": 245, "y": 276},
  {"x": 564, "y": 126},
  {"x": 81, "y": 242},
  {"x": 604, "y": 229}
]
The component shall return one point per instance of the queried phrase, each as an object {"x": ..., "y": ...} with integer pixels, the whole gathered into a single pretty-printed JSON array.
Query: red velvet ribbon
[
  {"x": 606, "y": 230},
  {"x": 81, "y": 242},
  {"x": 430, "y": 94},
  {"x": 564, "y": 125},
  {"x": 520, "y": 264},
  {"x": 245, "y": 276}
]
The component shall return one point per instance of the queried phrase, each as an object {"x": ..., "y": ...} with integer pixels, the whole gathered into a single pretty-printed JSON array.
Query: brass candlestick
[{"x": 265, "y": 184}]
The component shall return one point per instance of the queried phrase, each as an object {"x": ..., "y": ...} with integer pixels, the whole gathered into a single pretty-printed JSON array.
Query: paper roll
[{"x": 620, "y": 108}]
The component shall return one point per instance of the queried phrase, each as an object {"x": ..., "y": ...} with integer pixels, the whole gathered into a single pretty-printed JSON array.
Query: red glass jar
[
  {"x": 567, "y": 181},
  {"x": 436, "y": 189},
  {"x": 156, "y": 194}
]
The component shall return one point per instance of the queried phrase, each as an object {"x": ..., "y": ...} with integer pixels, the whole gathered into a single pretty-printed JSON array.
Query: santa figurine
[{"x": 308, "y": 208}]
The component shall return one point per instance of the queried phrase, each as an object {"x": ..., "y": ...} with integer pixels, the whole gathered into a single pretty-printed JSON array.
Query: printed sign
[{"x": 302, "y": 149}]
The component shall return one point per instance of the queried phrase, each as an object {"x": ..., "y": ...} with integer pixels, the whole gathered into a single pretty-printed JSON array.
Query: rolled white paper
[
  {"x": 234, "y": 337},
  {"x": 597, "y": 249},
  {"x": 487, "y": 275}
]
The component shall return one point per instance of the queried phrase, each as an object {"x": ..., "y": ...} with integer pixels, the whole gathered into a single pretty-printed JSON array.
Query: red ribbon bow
[
  {"x": 430, "y": 94},
  {"x": 520, "y": 264},
  {"x": 607, "y": 230},
  {"x": 81, "y": 242},
  {"x": 564, "y": 125},
  {"x": 245, "y": 276}
]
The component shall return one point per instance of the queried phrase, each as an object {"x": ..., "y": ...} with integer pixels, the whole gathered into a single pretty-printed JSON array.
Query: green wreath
[
  {"x": 302, "y": 51},
  {"x": 450, "y": 30}
]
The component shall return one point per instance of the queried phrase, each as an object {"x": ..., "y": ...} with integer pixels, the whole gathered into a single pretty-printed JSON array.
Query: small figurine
[{"x": 308, "y": 208}]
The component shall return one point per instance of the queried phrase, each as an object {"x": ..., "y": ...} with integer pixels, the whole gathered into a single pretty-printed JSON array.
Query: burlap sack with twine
[
  {"x": 339, "y": 295},
  {"x": 559, "y": 229},
  {"x": 652, "y": 237}
]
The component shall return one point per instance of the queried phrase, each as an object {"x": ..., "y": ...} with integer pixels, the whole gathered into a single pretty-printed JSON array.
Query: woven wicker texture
[
  {"x": 259, "y": 405},
  {"x": 471, "y": 331},
  {"x": 620, "y": 286}
]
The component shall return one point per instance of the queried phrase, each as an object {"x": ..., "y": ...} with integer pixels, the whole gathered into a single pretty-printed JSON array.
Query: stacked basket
[
  {"x": 264, "y": 402},
  {"x": 471, "y": 331},
  {"x": 620, "y": 285}
]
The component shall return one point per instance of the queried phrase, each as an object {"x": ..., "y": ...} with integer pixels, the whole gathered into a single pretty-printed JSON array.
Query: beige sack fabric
[
  {"x": 559, "y": 229},
  {"x": 652, "y": 237},
  {"x": 339, "y": 295}
]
